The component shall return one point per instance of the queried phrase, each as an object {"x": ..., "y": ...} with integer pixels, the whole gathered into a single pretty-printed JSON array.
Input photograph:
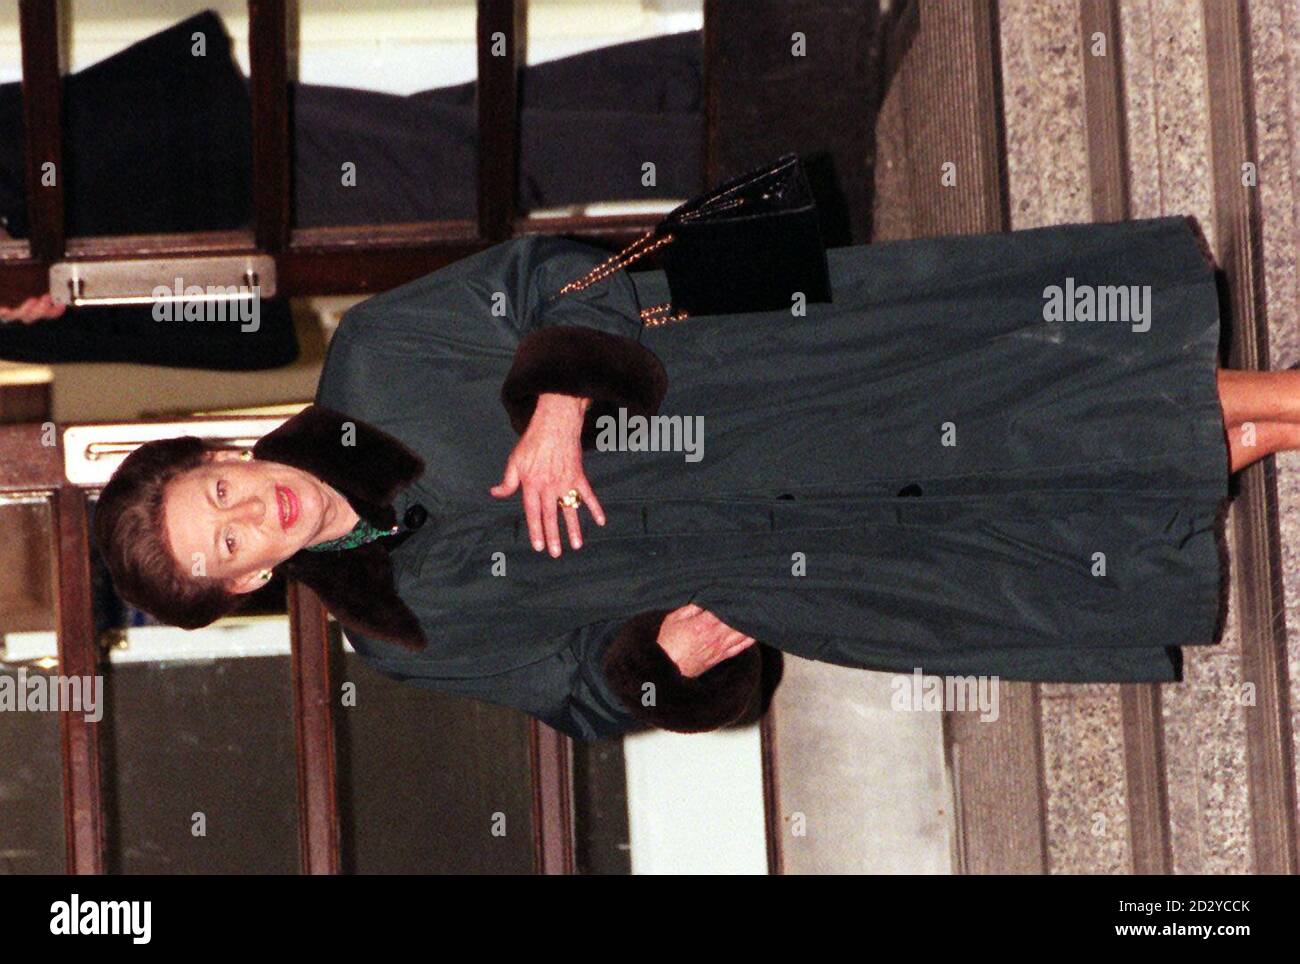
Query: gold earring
[
  {"x": 246, "y": 455},
  {"x": 265, "y": 575}
]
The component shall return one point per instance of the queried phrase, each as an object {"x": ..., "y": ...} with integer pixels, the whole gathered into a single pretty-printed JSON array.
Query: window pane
[
  {"x": 612, "y": 105},
  {"x": 198, "y": 752},
  {"x": 156, "y": 117},
  {"x": 384, "y": 120},
  {"x": 31, "y": 777},
  {"x": 431, "y": 783}
]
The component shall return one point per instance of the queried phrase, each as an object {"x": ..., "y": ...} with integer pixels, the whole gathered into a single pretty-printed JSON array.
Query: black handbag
[{"x": 747, "y": 245}]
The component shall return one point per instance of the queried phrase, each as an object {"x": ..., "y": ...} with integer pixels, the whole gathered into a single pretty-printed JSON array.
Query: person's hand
[
  {"x": 33, "y": 310},
  {"x": 696, "y": 640},
  {"x": 547, "y": 462}
]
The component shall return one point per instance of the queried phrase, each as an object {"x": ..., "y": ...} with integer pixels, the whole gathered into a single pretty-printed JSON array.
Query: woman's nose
[{"x": 250, "y": 510}]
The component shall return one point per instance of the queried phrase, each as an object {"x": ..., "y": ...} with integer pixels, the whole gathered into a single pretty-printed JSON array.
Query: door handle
[
  {"x": 91, "y": 453},
  {"x": 84, "y": 284},
  {"x": 94, "y": 451}
]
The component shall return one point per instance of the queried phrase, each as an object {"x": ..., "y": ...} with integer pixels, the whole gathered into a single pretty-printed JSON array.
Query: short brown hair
[{"x": 132, "y": 537}]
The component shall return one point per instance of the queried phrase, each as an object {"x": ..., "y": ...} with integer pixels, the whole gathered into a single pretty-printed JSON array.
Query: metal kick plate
[{"x": 227, "y": 278}]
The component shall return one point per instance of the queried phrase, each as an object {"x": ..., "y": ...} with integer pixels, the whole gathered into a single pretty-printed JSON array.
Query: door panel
[
  {"x": 31, "y": 808},
  {"x": 430, "y": 783},
  {"x": 198, "y": 750}
]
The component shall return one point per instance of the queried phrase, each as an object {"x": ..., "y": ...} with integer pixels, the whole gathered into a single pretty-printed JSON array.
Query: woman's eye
[
  {"x": 221, "y": 492},
  {"x": 230, "y": 544}
]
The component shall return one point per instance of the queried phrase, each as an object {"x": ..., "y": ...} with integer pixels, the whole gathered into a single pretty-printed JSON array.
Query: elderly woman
[{"x": 963, "y": 464}]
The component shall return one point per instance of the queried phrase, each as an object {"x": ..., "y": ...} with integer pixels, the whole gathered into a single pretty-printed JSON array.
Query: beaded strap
[
  {"x": 658, "y": 314},
  {"x": 653, "y": 316}
]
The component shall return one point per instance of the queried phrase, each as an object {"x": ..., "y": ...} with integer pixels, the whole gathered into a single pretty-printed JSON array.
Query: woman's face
[{"x": 231, "y": 519}]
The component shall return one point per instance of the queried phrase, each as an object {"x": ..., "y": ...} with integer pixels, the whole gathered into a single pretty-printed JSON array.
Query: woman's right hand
[
  {"x": 546, "y": 462},
  {"x": 696, "y": 640},
  {"x": 33, "y": 309}
]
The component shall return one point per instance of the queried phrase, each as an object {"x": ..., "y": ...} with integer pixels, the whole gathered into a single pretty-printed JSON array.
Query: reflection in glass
[
  {"x": 612, "y": 105},
  {"x": 156, "y": 133},
  {"x": 384, "y": 123},
  {"x": 156, "y": 140},
  {"x": 31, "y": 776},
  {"x": 431, "y": 783},
  {"x": 198, "y": 750},
  {"x": 386, "y": 128}
]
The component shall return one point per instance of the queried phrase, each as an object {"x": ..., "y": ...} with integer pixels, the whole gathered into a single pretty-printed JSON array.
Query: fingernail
[
  {"x": 577, "y": 543},
  {"x": 555, "y": 550},
  {"x": 539, "y": 545}
]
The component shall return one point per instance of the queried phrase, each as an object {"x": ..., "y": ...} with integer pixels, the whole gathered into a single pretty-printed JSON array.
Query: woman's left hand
[
  {"x": 33, "y": 310},
  {"x": 547, "y": 462}
]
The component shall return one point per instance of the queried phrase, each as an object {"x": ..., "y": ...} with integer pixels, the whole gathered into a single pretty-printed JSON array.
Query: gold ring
[{"x": 569, "y": 500}]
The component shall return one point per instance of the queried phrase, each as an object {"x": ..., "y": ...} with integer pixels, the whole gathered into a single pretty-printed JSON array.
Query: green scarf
[{"x": 361, "y": 533}]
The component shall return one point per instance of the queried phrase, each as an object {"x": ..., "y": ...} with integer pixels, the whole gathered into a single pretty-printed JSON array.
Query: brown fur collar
[{"x": 356, "y": 585}]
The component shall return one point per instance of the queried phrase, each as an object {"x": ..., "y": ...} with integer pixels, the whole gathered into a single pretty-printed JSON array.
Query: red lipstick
[{"x": 287, "y": 502}]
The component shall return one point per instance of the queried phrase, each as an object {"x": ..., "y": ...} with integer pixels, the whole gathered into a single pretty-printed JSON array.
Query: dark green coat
[{"x": 925, "y": 473}]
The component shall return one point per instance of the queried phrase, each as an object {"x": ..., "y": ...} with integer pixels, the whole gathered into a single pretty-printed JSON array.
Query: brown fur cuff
[
  {"x": 613, "y": 371},
  {"x": 672, "y": 701}
]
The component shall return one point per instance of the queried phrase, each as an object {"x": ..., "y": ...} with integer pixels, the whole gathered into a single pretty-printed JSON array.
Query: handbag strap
[
  {"x": 657, "y": 315},
  {"x": 653, "y": 316},
  {"x": 616, "y": 262}
]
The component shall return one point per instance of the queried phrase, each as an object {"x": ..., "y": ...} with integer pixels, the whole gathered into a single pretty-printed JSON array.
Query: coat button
[
  {"x": 415, "y": 516},
  {"x": 909, "y": 490}
]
